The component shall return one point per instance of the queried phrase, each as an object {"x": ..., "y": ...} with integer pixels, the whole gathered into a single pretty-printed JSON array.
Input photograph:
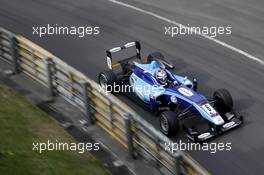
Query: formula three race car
[{"x": 171, "y": 96}]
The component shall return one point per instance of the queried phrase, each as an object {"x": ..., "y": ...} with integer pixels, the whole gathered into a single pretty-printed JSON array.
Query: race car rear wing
[{"x": 109, "y": 53}]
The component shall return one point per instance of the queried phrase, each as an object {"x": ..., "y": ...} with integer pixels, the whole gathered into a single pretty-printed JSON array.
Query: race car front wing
[{"x": 232, "y": 122}]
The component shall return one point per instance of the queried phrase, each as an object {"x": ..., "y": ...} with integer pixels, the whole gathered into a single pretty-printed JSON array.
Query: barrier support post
[
  {"x": 14, "y": 55},
  {"x": 129, "y": 135},
  {"x": 178, "y": 162},
  {"x": 1, "y": 44},
  {"x": 49, "y": 68},
  {"x": 87, "y": 101}
]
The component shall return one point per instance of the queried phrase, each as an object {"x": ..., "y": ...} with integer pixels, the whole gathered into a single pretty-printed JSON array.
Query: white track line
[{"x": 178, "y": 24}]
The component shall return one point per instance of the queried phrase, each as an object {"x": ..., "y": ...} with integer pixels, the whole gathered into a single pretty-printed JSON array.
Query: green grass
[{"x": 21, "y": 124}]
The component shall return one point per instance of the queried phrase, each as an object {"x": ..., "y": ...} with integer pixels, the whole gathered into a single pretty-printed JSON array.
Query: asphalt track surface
[{"x": 214, "y": 66}]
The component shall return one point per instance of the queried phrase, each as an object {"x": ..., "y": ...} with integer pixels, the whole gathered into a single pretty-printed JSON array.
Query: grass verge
[{"x": 21, "y": 125}]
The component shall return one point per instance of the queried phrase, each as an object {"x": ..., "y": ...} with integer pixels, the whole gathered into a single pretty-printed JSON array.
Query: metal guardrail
[
  {"x": 116, "y": 118},
  {"x": 7, "y": 40}
]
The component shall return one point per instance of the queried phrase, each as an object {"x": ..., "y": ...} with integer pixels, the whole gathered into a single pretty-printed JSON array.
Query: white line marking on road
[{"x": 178, "y": 24}]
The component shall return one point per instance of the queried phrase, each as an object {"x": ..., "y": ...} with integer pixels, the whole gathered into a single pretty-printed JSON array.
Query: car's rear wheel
[
  {"x": 169, "y": 123},
  {"x": 107, "y": 80},
  {"x": 224, "y": 100}
]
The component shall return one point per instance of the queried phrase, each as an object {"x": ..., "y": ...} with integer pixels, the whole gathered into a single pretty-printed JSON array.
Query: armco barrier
[
  {"x": 116, "y": 118},
  {"x": 7, "y": 41}
]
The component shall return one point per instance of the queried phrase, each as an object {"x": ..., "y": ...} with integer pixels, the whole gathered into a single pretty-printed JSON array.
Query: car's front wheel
[
  {"x": 224, "y": 100},
  {"x": 169, "y": 123}
]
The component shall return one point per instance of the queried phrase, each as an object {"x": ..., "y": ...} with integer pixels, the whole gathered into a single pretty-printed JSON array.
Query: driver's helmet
[{"x": 161, "y": 76}]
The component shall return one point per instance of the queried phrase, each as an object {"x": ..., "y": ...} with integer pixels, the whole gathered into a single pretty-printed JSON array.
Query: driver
[{"x": 162, "y": 77}]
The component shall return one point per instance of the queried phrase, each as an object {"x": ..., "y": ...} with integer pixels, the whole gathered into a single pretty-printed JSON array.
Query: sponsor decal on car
[
  {"x": 109, "y": 62},
  {"x": 229, "y": 124},
  {"x": 204, "y": 135},
  {"x": 185, "y": 92},
  {"x": 139, "y": 92}
]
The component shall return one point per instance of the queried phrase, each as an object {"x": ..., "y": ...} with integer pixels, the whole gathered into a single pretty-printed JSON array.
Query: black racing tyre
[
  {"x": 169, "y": 123},
  {"x": 107, "y": 80},
  {"x": 223, "y": 99},
  {"x": 154, "y": 56}
]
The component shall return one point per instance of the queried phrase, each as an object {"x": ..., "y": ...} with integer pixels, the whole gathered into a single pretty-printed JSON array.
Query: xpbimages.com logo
[{"x": 64, "y": 146}]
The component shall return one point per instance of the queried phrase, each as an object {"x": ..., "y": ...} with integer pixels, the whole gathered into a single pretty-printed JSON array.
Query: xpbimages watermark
[
  {"x": 79, "y": 31},
  {"x": 64, "y": 146},
  {"x": 191, "y": 146},
  {"x": 212, "y": 31},
  {"x": 125, "y": 88}
]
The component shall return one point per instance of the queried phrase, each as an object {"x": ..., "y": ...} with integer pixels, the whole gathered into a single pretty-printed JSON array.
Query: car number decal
[{"x": 209, "y": 109}]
